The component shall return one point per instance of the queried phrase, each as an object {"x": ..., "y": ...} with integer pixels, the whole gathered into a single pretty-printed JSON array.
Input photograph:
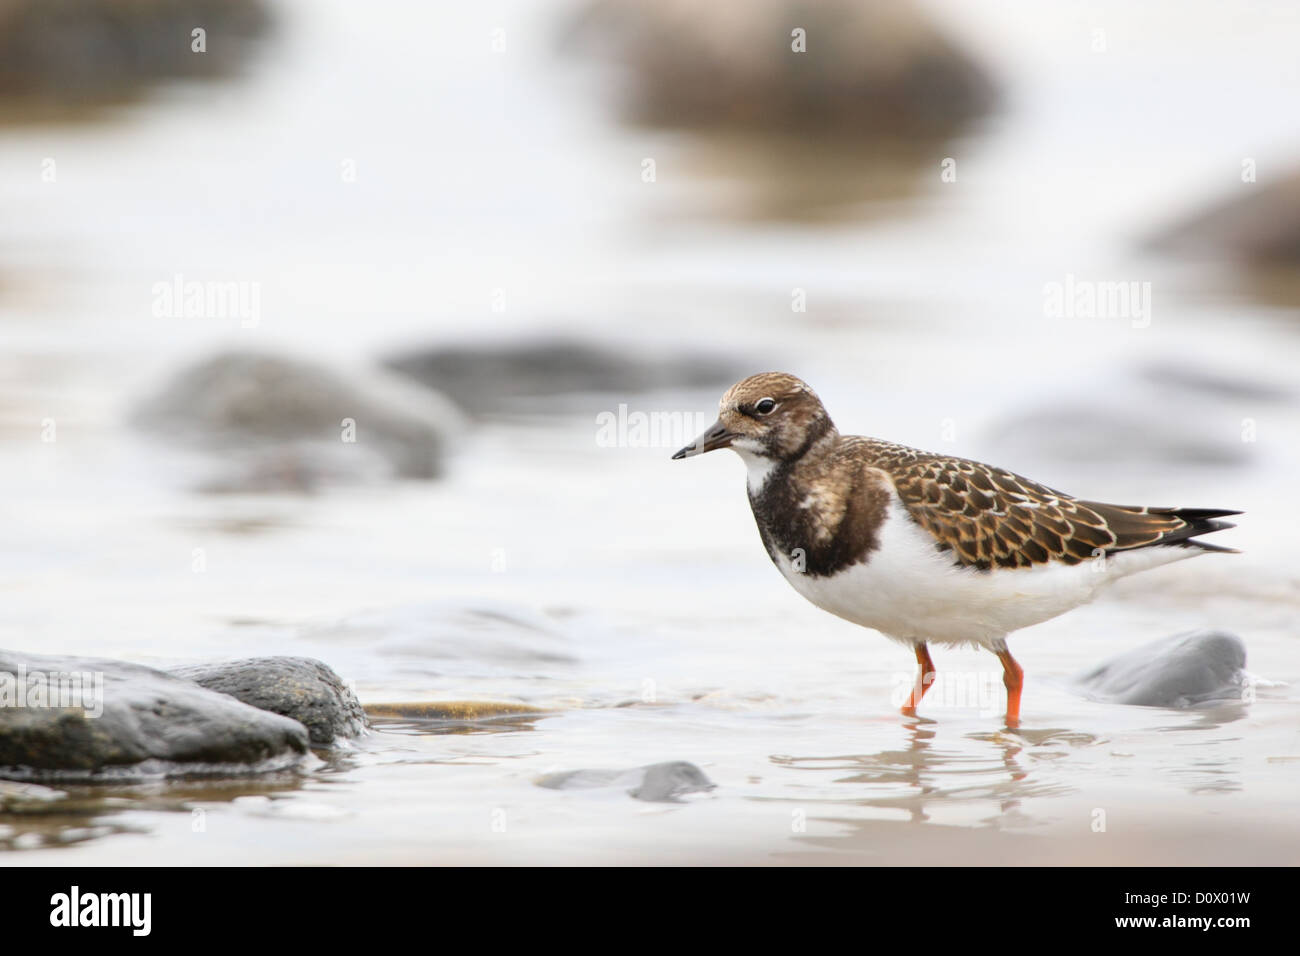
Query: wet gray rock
[
  {"x": 144, "y": 716},
  {"x": 277, "y": 423},
  {"x": 655, "y": 783},
  {"x": 57, "y": 57},
  {"x": 298, "y": 687},
  {"x": 871, "y": 71},
  {"x": 1185, "y": 670},
  {"x": 500, "y": 376}
]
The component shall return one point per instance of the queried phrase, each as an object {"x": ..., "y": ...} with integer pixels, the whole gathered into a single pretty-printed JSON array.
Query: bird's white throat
[{"x": 757, "y": 467}]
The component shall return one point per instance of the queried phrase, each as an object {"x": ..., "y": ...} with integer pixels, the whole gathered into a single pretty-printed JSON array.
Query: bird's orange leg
[
  {"x": 1014, "y": 677},
  {"x": 924, "y": 678}
]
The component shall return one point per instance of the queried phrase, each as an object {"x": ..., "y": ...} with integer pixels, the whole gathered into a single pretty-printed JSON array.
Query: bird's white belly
[{"x": 911, "y": 591}]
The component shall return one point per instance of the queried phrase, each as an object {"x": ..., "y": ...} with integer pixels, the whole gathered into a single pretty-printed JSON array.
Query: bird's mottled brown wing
[{"x": 988, "y": 517}]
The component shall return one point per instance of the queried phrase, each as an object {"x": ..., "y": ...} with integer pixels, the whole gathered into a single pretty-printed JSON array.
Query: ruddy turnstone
[{"x": 927, "y": 548}]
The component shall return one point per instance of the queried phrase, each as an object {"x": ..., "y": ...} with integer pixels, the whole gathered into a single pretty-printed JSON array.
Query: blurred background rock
[
  {"x": 877, "y": 71},
  {"x": 816, "y": 130},
  {"x": 1258, "y": 234},
  {"x": 59, "y": 58},
  {"x": 538, "y": 375},
  {"x": 293, "y": 425}
]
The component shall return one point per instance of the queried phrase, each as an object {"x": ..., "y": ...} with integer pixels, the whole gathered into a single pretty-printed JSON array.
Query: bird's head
[{"x": 772, "y": 416}]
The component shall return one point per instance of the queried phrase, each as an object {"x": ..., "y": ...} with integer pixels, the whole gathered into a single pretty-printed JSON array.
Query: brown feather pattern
[{"x": 989, "y": 517}]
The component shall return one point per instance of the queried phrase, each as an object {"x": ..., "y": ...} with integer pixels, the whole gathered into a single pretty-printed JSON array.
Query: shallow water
[
  {"x": 620, "y": 599},
  {"x": 664, "y": 637}
]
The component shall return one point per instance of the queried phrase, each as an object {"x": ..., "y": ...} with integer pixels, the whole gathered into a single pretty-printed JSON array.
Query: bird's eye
[{"x": 764, "y": 405}]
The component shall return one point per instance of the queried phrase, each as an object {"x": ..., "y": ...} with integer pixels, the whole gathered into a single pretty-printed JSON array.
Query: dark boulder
[
  {"x": 301, "y": 688},
  {"x": 85, "y": 717}
]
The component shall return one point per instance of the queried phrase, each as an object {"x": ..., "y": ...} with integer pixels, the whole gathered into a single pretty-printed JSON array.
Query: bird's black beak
[{"x": 715, "y": 436}]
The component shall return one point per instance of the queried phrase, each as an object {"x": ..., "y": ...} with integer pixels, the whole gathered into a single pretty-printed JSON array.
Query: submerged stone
[{"x": 655, "y": 783}]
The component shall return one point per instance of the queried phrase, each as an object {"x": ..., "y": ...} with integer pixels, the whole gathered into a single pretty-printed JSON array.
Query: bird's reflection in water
[
  {"x": 924, "y": 775},
  {"x": 1006, "y": 767}
]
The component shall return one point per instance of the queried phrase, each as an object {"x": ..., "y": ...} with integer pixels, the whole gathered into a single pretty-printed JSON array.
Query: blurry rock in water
[
  {"x": 59, "y": 57},
  {"x": 1257, "y": 231},
  {"x": 1127, "y": 436},
  {"x": 1259, "y": 226},
  {"x": 1180, "y": 671},
  {"x": 866, "y": 70},
  {"x": 297, "y": 687},
  {"x": 1199, "y": 381},
  {"x": 799, "y": 110},
  {"x": 151, "y": 722},
  {"x": 288, "y": 424},
  {"x": 439, "y": 710},
  {"x": 497, "y": 376},
  {"x": 1152, "y": 420},
  {"x": 654, "y": 783}
]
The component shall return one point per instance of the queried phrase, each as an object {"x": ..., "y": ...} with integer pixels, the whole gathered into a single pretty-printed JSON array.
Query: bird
[{"x": 929, "y": 548}]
